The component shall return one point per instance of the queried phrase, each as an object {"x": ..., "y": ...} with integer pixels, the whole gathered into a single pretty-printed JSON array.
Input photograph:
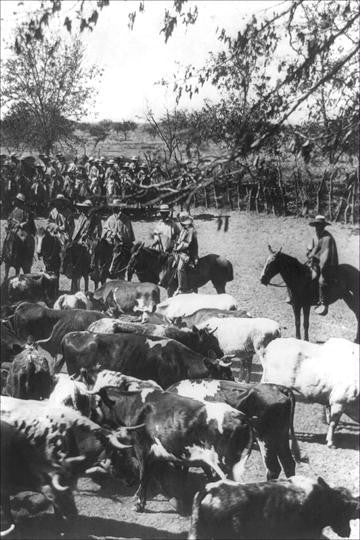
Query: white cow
[
  {"x": 78, "y": 300},
  {"x": 186, "y": 304},
  {"x": 243, "y": 337},
  {"x": 326, "y": 374}
]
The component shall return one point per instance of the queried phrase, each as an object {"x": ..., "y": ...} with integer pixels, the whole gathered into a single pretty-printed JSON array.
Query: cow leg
[
  {"x": 7, "y": 270},
  {"x": 297, "y": 312},
  {"x": 8, "y": 520},
  {"x": 306, "y": 313},
  {"x": 268, "y": 452},
  {"x": 145, "y": 468},
  {"x": 86, "y": 282},
  {"x": 335, "y": 414},
  {"x": 285, "y": 456},
  {"x": 219, "y": 287},
  {"x": 65, "y": 510}
]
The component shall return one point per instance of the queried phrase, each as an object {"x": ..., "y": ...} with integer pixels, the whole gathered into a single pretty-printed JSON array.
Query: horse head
[{"x": 271, "y": 267}]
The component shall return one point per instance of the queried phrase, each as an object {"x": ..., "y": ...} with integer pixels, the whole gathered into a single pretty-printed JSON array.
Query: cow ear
[
  {"x": 195, "y": 330},
  {"x": 270, "y": 249},
  {"x": 321, "y": 482}
]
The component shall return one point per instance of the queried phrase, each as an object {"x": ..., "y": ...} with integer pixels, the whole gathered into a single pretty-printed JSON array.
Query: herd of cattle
[{"x": 151, "y": 384}]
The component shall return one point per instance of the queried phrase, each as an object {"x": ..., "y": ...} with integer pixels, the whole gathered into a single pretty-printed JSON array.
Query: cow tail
[
  {"x": 195, "y": 516},
  {"x": 295, "y": 448}
]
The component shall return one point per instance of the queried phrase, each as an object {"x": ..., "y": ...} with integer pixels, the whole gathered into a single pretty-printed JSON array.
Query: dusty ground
[{"x": 107, "y": 511}]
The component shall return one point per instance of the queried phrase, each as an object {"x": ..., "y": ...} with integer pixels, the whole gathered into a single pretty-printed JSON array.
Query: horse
[
  {"x": 102, "y": 253},
  {"x": 120, "y": 260},
  {"x": 304, "y": 290},
  {"x": 49, "y": 248},
  {"x": 158, "y": 267},
  {"x": 18, "y": 252},
  {"x": 75, "y": 264}
]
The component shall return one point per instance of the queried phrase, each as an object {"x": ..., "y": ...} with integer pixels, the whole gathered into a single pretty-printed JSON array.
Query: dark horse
[
  {"x": 18, "y": 252},
  {"x": 48, "y": 248},
  {"x": 75, "y": 264},
  {"x": 303, "y": 290},
  {"x": 102, "y": 253},
  {"x": 158, "y": 267}
]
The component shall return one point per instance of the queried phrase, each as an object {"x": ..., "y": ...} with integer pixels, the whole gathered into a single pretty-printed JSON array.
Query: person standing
[
  {"x": 61, "y": 219},
  {"x": 88, "y": 225}
]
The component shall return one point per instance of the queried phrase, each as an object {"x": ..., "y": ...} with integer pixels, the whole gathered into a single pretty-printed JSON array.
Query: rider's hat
[
  {"x": 111, "y": 162},
  {"x": 102, "y": 159},
  {"x": 59, "y": 198},
  {"x": 20, "y": 197},
  {"x": 117, "y": 203},
  {"x": 319, "y": 220},
  {"x": 85, "y": 204},
  {"x": 164, "y": 209},
  {"x": 185, "y": 218}
]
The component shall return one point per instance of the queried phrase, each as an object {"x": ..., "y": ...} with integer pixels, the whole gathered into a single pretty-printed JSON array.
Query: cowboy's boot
[
  {"x": 182, "y": 281},
  {"x": 322, "y": 308}
]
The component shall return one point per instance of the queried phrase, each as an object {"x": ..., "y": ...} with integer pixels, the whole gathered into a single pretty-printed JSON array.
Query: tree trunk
[
  {"x": 338, "y": 209},
  {"x": 319, "y": 190}
]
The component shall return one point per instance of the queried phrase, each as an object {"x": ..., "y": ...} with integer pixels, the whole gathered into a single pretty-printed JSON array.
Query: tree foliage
[
  {"x": 44, "y": 88},
  {"x": 124, "y": 127}
]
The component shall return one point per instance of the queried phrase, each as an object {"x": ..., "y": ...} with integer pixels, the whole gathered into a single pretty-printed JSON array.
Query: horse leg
[
  {"x": 7, "y": 270},
  {"x": 86, "y": 282},
  {"x": 353, "y": 304},
  {"x": 297, "y": 313},
  {"x": 219, "y": 287},
  {"x": 306, "y": 314}
]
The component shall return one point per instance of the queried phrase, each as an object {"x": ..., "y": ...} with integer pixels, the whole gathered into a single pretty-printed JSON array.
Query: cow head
[
  {"x": 208, "y": 341},
  {"x": 29, "y": 376},
  {"x": 220, "y": 368},
  {"x": 339, "y": 506}
]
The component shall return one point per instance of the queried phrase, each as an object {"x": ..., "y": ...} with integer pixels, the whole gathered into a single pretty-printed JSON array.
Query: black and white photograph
[{"x": 179, "y": 269}]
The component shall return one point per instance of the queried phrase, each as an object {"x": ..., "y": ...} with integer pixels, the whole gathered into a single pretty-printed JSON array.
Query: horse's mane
[{"x": 293, "y": 261}]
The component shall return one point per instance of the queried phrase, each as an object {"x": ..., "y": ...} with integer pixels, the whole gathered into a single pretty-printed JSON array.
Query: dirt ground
[{"x": 106, "y": 511}]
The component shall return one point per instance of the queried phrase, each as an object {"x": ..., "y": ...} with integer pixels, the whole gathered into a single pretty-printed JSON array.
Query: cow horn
[
  {"x": 75, "y": 459},
  {"x": 139, "y": 426},
  {"x": 56, "y": 483},
  {"x": 7, "y": 531},
  {"x": 211, "y": 332},
  {"x": 224, "y": 364},
  {"x": 117, "y": 444}
]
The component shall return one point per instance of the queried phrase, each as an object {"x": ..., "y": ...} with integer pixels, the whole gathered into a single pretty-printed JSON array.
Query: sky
[{"x": 134, "y": 61}]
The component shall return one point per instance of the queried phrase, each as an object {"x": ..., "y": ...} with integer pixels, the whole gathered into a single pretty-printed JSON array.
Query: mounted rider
[
  {"x": 118, "y": 231},
  {"x": 21, "y": 223},
  {"x": 186, "y": 251},
  {"x": 88, "y": 225},
  {"x": 118, "y": 227},
  {"x": 323, "y": 257},
  {"x": 60, "y": 220},
  {"x": 166, "y": 231}
]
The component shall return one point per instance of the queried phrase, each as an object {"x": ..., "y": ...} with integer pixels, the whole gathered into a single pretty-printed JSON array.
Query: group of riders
[
  {"x": 170, "y": 235},
  {"x": 98, "y": 179}
]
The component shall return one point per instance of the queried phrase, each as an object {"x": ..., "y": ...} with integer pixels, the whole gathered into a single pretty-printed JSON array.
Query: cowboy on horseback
[
  {"x": 323, "y": 257},
  {"x": 87, "y": 226},
  {"x": 118, "y": 232},
  {"x": 60, "y": 220},
  {"x": 186, "y": 251},
  {"x": 166, "y": 231},
  {"x": 20, "y": 224}
]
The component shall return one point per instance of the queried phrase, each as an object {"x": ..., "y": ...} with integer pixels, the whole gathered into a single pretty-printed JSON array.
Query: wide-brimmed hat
[
  {"x": 102, "y": 158},
  {"x": 117, "y": 203},
  {"x": 20, "y": 197},
  {"x": 85, "y": 204},
  {"x": 111, "y": 162},
  {"x": 185, "y": 218},
  {"x": 319, "y": 220},
  {"x": 60, "y": 198},
  {"x": 164, "y": 208}
]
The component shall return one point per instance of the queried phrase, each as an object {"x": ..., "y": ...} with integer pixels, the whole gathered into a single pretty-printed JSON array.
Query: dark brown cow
[
  {"x": 276, "y": 510},
  {"x": 126, "y": 297}
]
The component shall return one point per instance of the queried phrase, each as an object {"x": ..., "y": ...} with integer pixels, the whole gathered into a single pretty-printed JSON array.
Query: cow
[
  {"x": 269, "y": 407},
  {"x": 294, "y": 508},
  {"x": 29, "y": 375},
  {"x": 10, "y": 344},
  {"x": 45, "y": 449},
  {"x": 163, "y": 360},
  {"x": 32, "y": 288},
  {"x": 186, "y": 304},
  {"x": 48, "y": 326},
  {"x": 181, "y": 430},
  {"x": 126, "y": 297},
  {"x": 203, "y": 315},
  {"x": 78, "y": 300},
  {"x": 70, "y": 392},
  {"x": 201, "y": 341},
  {"x": 243, "y": 338},
  {"x": 326, "y": 374}
]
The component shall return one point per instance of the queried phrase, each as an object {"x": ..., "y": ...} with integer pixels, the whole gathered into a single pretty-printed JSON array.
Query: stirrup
[{"x": 321, "y": 309}]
